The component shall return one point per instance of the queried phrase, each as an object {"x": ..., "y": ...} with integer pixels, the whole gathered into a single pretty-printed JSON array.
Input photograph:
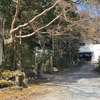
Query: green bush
[
  {"x": 44, "y": 61},
  {"x": 12, "y": 57}
]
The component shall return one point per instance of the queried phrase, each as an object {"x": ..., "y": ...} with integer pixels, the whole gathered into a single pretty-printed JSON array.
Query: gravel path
[{"x": 81, "y": 84}]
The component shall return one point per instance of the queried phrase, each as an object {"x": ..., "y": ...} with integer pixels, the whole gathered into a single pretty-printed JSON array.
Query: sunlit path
[{"x": 81, "y": 84}]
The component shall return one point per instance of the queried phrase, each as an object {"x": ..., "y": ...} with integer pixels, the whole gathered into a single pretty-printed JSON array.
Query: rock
[
  {"x": 21, "y": 80},
  {"x": 25, "y": 83},
  {"x": 6, "y": 74},
  {"x": 5, "y": 83}
]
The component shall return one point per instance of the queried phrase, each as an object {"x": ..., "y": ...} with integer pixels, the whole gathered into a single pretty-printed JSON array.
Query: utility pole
[
  {"x": 20, "y": 33},
  {"x": 52, "y": 56},
  {"x": 20, "y": 60}
]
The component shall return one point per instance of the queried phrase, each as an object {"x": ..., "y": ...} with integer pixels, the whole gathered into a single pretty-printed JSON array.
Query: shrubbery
[
  {"x": 8, "y": 78},
  {"x": 44, "y": 61}
]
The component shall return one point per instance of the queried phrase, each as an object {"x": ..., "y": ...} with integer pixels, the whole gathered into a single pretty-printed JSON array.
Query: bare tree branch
[
  {"x": 16, "y": 14},
  {"x": 15, "y": 1},
  {"x": 64, "y": 14},
  {"x": 25, "y": 24},
  {"x": 60, "y": 34},
  {"x": 74, "y": 22},
  {"x": 28, "y": 35},
  {"x": 13, "y": 29}
]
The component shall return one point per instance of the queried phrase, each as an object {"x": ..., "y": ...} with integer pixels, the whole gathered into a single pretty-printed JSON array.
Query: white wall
[
  {"x": 94, "y": 48},
  {"x": 96, "y": 52}
]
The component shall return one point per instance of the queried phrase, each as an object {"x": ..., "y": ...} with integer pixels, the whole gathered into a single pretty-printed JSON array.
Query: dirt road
[{"x": 81, "y": 84}]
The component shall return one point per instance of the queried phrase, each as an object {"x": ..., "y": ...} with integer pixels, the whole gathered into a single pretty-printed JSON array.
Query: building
[{"x": 89, "y": 52}]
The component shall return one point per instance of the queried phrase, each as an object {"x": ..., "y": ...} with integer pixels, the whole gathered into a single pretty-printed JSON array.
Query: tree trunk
[{"x": 14, "y": 56}]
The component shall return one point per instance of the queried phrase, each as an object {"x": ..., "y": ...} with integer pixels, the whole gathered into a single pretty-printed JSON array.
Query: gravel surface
[{"x": 80, "y": 84}]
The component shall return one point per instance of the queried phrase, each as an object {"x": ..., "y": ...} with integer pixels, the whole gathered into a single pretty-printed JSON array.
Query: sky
[{"x": 94, "y": 11}]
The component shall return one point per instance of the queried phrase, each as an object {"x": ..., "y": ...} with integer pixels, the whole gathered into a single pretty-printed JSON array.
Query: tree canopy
[{"x": 38, "y": 21}]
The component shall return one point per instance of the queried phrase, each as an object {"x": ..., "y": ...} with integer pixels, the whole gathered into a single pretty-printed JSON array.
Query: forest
[{"x": 38, "y": 35}]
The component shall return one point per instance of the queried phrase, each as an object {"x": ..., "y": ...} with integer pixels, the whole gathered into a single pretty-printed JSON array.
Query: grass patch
[{"x": 18, "y": 92}]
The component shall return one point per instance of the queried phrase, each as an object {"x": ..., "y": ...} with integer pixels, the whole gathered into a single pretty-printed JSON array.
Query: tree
[
  {"x": 14, "y": 29},
  {"x": 88, "y": 25},
  {"x": 39, "y": 22},
  {"x": 41, "y": 16},
  {"x": 23, "y": 20}
]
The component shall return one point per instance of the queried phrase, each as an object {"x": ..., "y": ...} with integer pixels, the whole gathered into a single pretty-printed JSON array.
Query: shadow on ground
[{"x": 84, "y": 73}]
